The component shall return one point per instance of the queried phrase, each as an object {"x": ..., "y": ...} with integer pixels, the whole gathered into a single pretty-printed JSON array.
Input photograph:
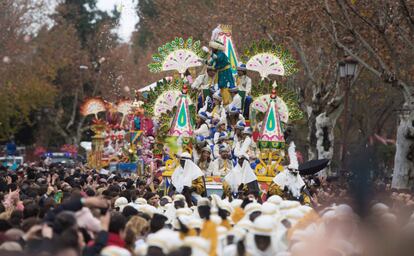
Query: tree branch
[{"x": 74, "y": 110}]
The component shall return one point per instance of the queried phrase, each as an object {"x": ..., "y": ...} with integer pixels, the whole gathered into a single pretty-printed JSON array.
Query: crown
[{"x": 225, "y": 28}]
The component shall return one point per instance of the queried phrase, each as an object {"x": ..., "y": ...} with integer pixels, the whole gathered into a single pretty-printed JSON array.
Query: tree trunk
[
  {"x": 404, "y": 156},
  {"x": 325, "y": 128},
  {"x": 325, "y": 138},
  {"x": 312, "y": 139}
]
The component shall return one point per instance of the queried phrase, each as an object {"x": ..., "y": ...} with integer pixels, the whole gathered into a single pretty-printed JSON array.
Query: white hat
[
  {"x": 178, "y": 197},
  {"x": 140, "y": 201},
  {"x": 236, "y": 203},
  {"x": 114, "y": 251},
  {"x": 120, "y": 203},
  {"x": 328, "y": 215},
  {"x": 224, "y": 147},
  {"x": 195, "y": 223},
  {"x": 343, "y": 211},
  {"x": 244, "y": 223},
  {"x": 199, "y": 245},
  {"x": 263, "y": 225},
  {"x": 216, "y": 45},
  {"x": 203, "y": 202},
  {"x": 306, "y": 209},
  {"x": 293, "y": 214},
  {"x": 275, "y": 199},
  {"x": 185, "y": 155},
  {"x": 269, "y": 209},
  {"x": 206, "y": 148},
  {"x": 247, "y": 130},
  {"x": 288, "y": 204},
  {"x": 252, "y": 207},
  {"x": 217, "y": 96},
  {"x": 147, "y": 209},
  {"x": 238, "y": 233},
  {"x": 184, "y": 211},
  {"x": 389, "y": 218},
  {"x": 165, "y": 239},
  {"x": 379, "y": 208}
]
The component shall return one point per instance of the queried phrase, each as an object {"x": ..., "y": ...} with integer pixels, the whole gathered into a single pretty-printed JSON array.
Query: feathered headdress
[{"x": 293, "y": 159}]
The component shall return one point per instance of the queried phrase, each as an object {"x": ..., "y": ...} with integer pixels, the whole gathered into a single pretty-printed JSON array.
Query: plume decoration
[
  {"x": 178, "y": 55},
  {"x": 93, "y": 106},
  {"x": 293, "y": 158},
  {"x": 268, "y": 58}
]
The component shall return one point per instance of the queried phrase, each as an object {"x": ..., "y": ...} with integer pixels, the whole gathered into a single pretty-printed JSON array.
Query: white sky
[{"x": 129, "y": 16}]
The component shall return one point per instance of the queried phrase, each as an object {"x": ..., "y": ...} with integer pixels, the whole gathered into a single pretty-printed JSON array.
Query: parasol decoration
[
  {"x": 124, "y": 107},
  {"x": 178, "y": 55},
  {"x": 266, "y": 64},
  {"x": 181, "y": 60},
  {"x": 313, "y": 166},
  {"x": 261, "y": 104},
  {"x": 92, "y": 106},
  {"x": 166, "y": 102}
]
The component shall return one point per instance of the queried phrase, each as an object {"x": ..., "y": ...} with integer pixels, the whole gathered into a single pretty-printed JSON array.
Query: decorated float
[
  {"x": 117, "y": 134},
  {"x": 174, "y": 109},
  {"x": 131, "y": 134}
]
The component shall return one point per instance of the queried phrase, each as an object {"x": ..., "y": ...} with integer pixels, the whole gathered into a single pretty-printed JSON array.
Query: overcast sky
[{"x": 129, "y": 17}]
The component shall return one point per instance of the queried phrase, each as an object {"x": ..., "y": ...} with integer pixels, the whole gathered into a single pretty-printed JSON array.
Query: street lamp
[
  {"x": 347, "y": 71},
  {"x": 348, "y": 68}
]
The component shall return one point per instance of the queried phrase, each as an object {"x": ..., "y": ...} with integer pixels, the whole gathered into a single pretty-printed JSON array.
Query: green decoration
[
  {"x": 265, "y": 46},
  {"x": 193, "y": 48},
  {"x": 161, "y": 87}
]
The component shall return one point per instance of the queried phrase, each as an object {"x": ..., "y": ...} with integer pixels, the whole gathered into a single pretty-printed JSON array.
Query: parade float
[
  {"x": 159, "y": 127},
  {"x": 117, "y": 134},
  {"x": 174, "y": 109}
]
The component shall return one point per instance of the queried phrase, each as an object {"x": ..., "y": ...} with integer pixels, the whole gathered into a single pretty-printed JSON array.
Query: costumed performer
[
  {"x": 241, "y": 178},
  {"x": 223, "y": 164},
  {"x": 245, "y": 86},
  {"x": 288, "y": 183},
  {"x": 221, "y": 64},
  {"x": 188, "y": 179},
  {"x": 203, "y": 83}
]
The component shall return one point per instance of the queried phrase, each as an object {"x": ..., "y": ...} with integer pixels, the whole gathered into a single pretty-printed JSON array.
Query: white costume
[
  {"x": 236, "y": 102},
  {"x": 184, "y": 176},
  {"x": 242, "y": 147},
  {"x": 293, "y": 182},
  {"x": 220, "y": 167},
  {"x": 244, "y": 84},
  {"x": 240, "y": 175},
  {"x": 203, "y": 130},
  {"x": 263, "y": 226},
  {"x": 202, "y": 82}
]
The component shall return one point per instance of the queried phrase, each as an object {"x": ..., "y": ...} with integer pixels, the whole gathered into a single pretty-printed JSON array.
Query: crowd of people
[
  {"x": 57, "y": 211},
  {"x": 53, "y": 210}
]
